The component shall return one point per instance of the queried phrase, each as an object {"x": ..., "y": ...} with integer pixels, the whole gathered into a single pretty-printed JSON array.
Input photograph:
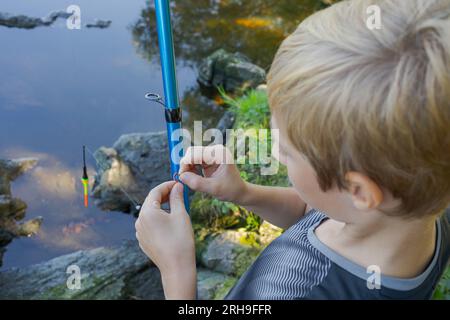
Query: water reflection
[
  {"x": 198, "y": 104},
  {"x": 200, "y": 27},
  {"x": 253, "y": 27}
]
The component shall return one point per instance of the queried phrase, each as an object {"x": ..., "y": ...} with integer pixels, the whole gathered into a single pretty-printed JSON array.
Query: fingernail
[{"x": 156, "y": 204}]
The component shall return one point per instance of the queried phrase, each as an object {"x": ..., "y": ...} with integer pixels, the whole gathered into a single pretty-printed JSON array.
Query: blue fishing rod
[{"x": 172, "y": 102}]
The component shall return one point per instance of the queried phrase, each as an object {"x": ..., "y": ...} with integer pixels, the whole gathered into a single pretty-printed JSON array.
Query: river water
[{"x": 61, "y": 89}]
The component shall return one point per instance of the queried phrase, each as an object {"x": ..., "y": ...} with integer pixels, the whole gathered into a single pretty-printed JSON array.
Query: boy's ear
[{"x": 365, "y": 193}]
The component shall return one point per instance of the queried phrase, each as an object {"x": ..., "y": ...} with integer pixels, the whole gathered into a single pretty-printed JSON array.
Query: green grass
[
  {"x": 253, "y": 113},
  {"x": 443, "y": 289},
  {"x": 252, "y": 110}
]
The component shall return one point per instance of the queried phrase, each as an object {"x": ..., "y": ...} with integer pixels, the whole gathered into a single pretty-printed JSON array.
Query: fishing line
[{"x": 133, "y": 201}]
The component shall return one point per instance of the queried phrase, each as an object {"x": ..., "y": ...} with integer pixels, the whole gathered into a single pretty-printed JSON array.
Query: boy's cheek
[
  {"x": 334, "y": 202},
  {"x": 304, "y": 182}
]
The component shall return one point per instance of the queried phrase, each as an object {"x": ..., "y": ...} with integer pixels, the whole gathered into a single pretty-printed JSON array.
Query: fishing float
[{"x": 85, "y": 180}]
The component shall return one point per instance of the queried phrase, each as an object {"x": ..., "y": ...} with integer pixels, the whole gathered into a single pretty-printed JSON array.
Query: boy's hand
[
  {"x": 221, "y": 176},
  {"x": 167, "y": 238}
]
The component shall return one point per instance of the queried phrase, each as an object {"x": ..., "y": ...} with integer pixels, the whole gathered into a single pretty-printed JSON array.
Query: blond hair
[{"x": 372, "y": 101}]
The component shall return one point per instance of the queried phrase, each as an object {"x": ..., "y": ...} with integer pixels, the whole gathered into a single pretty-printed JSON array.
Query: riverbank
[{"x": 228, "y": 239}]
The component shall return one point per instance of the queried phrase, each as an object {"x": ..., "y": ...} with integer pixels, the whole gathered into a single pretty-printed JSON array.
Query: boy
[{"x": 364, "y": 118}]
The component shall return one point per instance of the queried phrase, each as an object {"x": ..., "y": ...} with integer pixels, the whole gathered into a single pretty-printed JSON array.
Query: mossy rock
[
  {"x": 268, "y": 232},
  {"x": 223, "y": 290},
  {"x": 213, "y": 285},
  {"x": 122, "y": 272},
  {"x": 230, "y": 251},
  {"x": 233, "y": 71},
  {"x": 214, "y": 214}
]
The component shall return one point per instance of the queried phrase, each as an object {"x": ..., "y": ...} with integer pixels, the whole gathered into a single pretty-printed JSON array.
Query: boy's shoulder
[
  {"x": 311, "y": 218},
  {"x": 354, "y": 282},
  {"x": 318, "y": 272}
]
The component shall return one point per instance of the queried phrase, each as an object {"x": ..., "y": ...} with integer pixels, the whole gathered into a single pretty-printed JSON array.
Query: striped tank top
[{"x": 297, "y": 265}]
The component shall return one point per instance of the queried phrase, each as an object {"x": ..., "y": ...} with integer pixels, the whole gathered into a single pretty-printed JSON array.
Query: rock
[
  {"x": 20, "y": 21},
  {"x": 268, "y": 232},
  {"x": 232, "y": 71},
  {"x": 25, "y": 22},
  {"x": 213, "y": 285},
  {"x": 262, "y": 87},
  {"x": 226, "y": 122},
  {"x": 145, "y": 285},
  {"x": 129, "y": 170},
  {"x": 29, "y": 227},
  {"x": 101, "y": 24},
  {"x": 11, "y": 169},
  {"x": 112, "y": 273},
  {"x": 54, "y": 15},
  {"x": 13, "y": 209},
  {"x": 6, "y": 237},
  {"x": 122, "y": 272},
  {"x": 208, "y": 215},
  {"x": 230, "y": 252}
]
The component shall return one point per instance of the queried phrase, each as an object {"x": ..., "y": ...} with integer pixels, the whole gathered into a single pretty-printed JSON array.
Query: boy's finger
[
  {"x": 177, "y": 200},
  {"x": 186, "y": 167},
  {"x": 210, "y": 155},
  {"x": 159, "y": 194},
  {"x": 193, "y": 156},
  {"x": 196, "y": 182}
]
